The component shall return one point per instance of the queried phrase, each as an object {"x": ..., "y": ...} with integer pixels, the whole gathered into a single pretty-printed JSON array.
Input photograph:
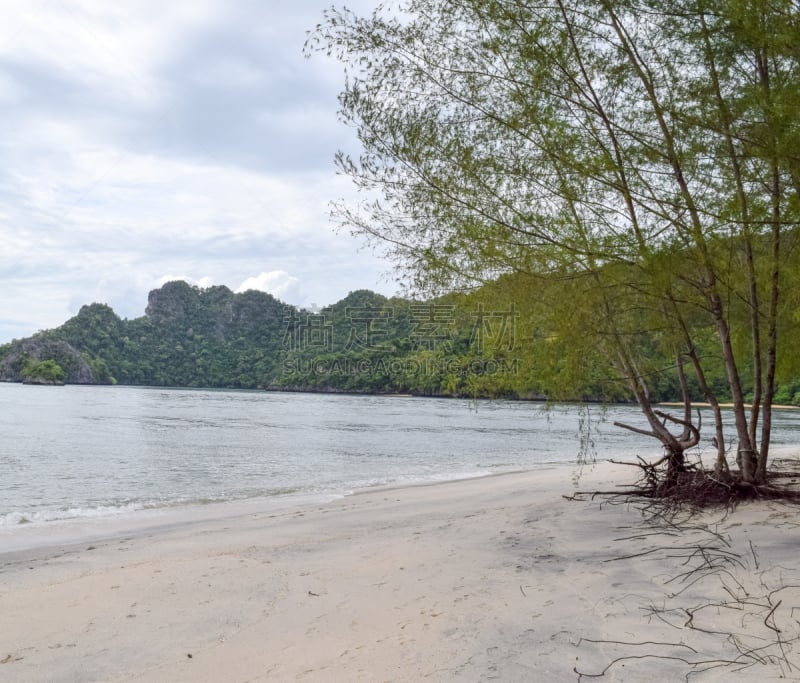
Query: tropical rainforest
[{"x": 498, "y": 341}]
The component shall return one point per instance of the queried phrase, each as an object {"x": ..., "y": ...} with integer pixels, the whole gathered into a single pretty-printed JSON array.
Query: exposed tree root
[{"x": 697, "y": 488}]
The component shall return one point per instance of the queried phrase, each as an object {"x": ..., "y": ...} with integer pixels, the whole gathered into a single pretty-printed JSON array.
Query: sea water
[{"x": 89, "y": 452}]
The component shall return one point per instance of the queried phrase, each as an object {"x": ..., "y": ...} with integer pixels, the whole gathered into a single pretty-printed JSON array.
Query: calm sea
[{"x": 86, "y": 452}]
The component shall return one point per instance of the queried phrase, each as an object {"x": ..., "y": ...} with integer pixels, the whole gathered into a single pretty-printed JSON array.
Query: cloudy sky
[{"x": 147, "y": 140}]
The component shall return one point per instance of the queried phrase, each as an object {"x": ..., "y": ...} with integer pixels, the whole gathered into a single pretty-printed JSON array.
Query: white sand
[{"x": 488, "y": 579}]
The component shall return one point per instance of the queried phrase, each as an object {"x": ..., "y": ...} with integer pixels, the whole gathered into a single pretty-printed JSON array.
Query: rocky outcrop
[
  {"x": 215, "y": 312},
  {"x": 43, "y": 382},
  {"x": 173, "y": 301},
  {"x": 78, "y": 370}
]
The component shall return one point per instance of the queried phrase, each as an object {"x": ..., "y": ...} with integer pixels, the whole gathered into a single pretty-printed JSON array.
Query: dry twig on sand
[{"x": 736, "y": 613}]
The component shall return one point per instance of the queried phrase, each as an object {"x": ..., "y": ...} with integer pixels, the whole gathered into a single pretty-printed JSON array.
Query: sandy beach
[{"x": 497, "y": 578}]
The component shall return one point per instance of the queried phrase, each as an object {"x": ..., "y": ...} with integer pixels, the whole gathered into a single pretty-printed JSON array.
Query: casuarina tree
[{"x": 645, "y": 155}]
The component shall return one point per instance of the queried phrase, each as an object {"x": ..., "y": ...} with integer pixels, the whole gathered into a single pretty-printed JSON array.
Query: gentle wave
[
  {"x": 111, "y": 452},
  {"x": 16, "y": 517},
  {"x": 37, "y": 517},
  {"x": 23, "y": 517}
]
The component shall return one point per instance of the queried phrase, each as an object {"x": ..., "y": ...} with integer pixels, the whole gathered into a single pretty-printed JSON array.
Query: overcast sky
[{"x": 150, "y": 140}]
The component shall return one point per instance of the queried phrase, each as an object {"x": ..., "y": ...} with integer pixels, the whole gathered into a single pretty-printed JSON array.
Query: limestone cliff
[{"x": 78, "y": 370}]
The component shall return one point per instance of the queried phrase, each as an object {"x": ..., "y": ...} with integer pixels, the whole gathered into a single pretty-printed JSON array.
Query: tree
[
  {"x": 43, "y": 371},
  {"x": 645, "y": 157}
]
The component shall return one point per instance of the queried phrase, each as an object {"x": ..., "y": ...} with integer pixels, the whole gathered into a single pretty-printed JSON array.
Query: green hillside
[{"x": 503, "y": 340}]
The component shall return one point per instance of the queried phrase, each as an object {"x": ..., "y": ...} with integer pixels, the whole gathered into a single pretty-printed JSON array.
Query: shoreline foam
[{"x": 21, "y": 530}]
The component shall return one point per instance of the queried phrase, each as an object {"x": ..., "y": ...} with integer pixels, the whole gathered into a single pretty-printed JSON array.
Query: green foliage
[
  {"x": 637, "y": 162},
  {"x": 43, "y": 371},
  {"x": 499, "y": 341},
  {"x": 367, "y": 343}
]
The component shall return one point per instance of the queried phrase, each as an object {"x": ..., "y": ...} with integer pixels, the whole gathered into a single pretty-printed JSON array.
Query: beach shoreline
[
  {"x": 498, "y": 577},
  {"x": 79, "y": 530}
]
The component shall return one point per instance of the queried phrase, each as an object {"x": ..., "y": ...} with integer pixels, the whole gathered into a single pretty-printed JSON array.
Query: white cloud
[
  {"x": 148, "y": 139},
  {"x": 276, "y": 282},
  {"x": 230, "y": 73},
  {"x": 204, "y": 282}
]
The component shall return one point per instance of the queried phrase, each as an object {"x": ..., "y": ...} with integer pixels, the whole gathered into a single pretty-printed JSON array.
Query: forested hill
[
  {"x": 498, "y": 341},
  {"x": 214, "y": 337},
  {"x": 187, "y": 337}
]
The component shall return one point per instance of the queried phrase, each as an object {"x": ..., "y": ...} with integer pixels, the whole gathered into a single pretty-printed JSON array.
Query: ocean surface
[{"x": 75, "y": 452}]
